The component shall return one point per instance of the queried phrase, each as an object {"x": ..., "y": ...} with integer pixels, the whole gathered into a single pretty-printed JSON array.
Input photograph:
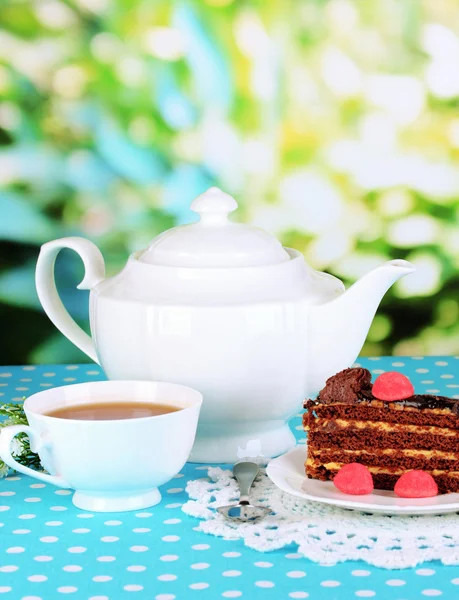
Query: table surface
[{"x": 49, "y": 549}]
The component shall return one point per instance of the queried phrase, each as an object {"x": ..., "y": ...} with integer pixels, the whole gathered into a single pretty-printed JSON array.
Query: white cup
[{"x": 113, "y": 465}]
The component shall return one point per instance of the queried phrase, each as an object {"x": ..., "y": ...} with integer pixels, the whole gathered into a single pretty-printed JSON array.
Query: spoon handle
[{"x": 245, "y": 473}]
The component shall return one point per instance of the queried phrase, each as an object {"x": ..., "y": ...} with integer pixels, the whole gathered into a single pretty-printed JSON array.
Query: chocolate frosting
[{"x": 353, "y": 386}]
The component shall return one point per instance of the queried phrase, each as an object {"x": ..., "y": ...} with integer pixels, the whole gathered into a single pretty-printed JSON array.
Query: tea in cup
[{"x": 113, "y": 442}]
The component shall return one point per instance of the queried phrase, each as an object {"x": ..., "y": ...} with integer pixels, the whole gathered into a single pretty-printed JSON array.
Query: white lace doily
[{"x": 324, "y": 534}]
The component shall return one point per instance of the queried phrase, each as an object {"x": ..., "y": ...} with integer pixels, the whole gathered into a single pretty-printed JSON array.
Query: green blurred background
[{"x": 334, "y": 124}]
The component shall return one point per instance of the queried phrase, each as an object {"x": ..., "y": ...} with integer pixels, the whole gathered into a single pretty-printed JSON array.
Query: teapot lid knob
[{"x": 214, "y": 206}]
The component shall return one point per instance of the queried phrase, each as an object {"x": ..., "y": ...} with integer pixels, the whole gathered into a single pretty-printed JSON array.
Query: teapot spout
[{"x": 338, "y": 328}]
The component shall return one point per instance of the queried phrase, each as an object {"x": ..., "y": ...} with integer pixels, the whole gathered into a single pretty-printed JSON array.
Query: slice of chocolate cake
[{"x": 348, "y": 424}]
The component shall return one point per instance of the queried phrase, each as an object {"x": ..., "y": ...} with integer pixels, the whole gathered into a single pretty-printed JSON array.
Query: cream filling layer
[{"x": 386, "y": 427}]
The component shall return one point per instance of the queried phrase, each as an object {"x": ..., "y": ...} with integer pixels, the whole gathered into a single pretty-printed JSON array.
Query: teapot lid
[{"x": 214, "y": 241}]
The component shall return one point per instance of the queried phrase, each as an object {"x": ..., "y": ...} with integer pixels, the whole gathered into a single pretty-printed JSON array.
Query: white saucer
[{"x": 287, "y": 472}]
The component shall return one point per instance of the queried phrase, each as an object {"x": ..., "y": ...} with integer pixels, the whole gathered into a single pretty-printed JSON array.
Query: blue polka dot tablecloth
[{"x": 50, "y": 550}]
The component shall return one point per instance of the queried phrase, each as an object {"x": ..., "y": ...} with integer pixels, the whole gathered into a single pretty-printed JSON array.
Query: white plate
[{"x": 287, "y": 472}]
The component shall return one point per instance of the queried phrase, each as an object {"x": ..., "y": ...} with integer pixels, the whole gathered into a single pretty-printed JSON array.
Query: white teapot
[{"x": 224, "y": 308}]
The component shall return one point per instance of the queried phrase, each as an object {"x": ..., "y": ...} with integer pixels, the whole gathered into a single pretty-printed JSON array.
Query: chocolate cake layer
[
  {"x": 348, "y": 424},
  {"x": 357, "y": 440},
  {"x": 446, "y": 481},
  {"x": 376, "y": 410}
]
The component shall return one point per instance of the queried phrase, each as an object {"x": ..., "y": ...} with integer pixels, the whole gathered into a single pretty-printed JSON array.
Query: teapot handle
[{"x": 47, "y": 291}]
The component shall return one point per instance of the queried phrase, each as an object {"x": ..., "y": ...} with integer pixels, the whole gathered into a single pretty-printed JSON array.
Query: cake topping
[
  {"x": 354, "y": 479},
  {"x": 392, "y": 386},
  {"x": 347, "y": 387},
  {"x": 416, "y": 484}
]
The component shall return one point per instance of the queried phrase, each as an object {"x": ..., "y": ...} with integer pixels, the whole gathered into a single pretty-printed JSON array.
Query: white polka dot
[
  {"x": 69, "y": 379},
  {"x": 427, "y": 381},
  {"x": 174, "y": 490},
  {"x": 6, "y": 374},
  {"x": 361, "y": 573},
  {"x": 174, "y": 505},
  {"x": 398, "y": 364},
  {"x": 425, "y": 572},
  {"x": 230, "y": 573},
  {"x": 455, "y": 581},
  {"x": 296, "y": 574},
  {"x": 77, "y": 549},
  {"x": 21, "y": 531},
  {"x": 178, "y": 476},
  {"x": 232, "y": 594},
  {"x": 32, "y": 499},
  {"x": 452, "y": 385},
  {"x": 46, "y": 385},
  {"x": 138, "y": 548},
  {"x": 7, "y": 493},
  {"x": 172, "y": 521},
  {"x": 81, "y": 530},
  {"x": 199, "y": 566},
  {"x": 264, "y": 584},
  {"x": 5, "y": 589},
  {"x": 8, "y": 569},
  {"x": 433, "y": 391},
  {"x": 4, "y": 508},
  {"x": 27, "y": 516},
  {"x": 43, "y": 558},
  {"x": 229, "y": 554},
  {"x": 136, "y": 568},
  {"x": 37, "y": 578},
  {"x": 204, "y": 547},
  {"x": 165, "y": 597},
  {"x": 431, "y": 593},
  {"x": 292, "y": 555},
  {"x": 92, "y": 372},
  {"x": 106, "y": 558},
  {"x": 99, "y": 598},
  {"x": 109, "y": 539},
  {"x": 49, "y": 539},
  {"x": 53, "y": 523},
  {"x": 141, "y": 530},
  {"x": 330, "y": 583},
  {"x": 144, "y": 515},
  {"x": 132, "y": 587},
  {"x": 167, "y": 577},
  {"x": 29, "y": 368},
  {"x": 63, "y": 492},
  {"x": 441, "y": 363},
  {"x": 102, "y": 578},
  {"x": 15, "y": 550},
  {"x": 263, "y": 565},
  {"x": 198, "y": 586},
  {"x": 422, "y": 370},
  {"x": 447, "y": 376},
  {"x": 31, "y": 598},
  {"x": 113, "y": 523},
  {"x": 170, "y": 538},
  {"x": 72, "y": 568},
  {"x": 72, "y": 367},
  {"x": 396, "y": 582},
  {"x": 298, "y": 595},
  {"x": 58, "y": 508},
  {"x": 67, "y": 589},
  {"x": 377, "y": 371},
  {"x": 365, "y": 594},
  {"x": 85, "y": 516},
  {"x": 168, "y": 557}
]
